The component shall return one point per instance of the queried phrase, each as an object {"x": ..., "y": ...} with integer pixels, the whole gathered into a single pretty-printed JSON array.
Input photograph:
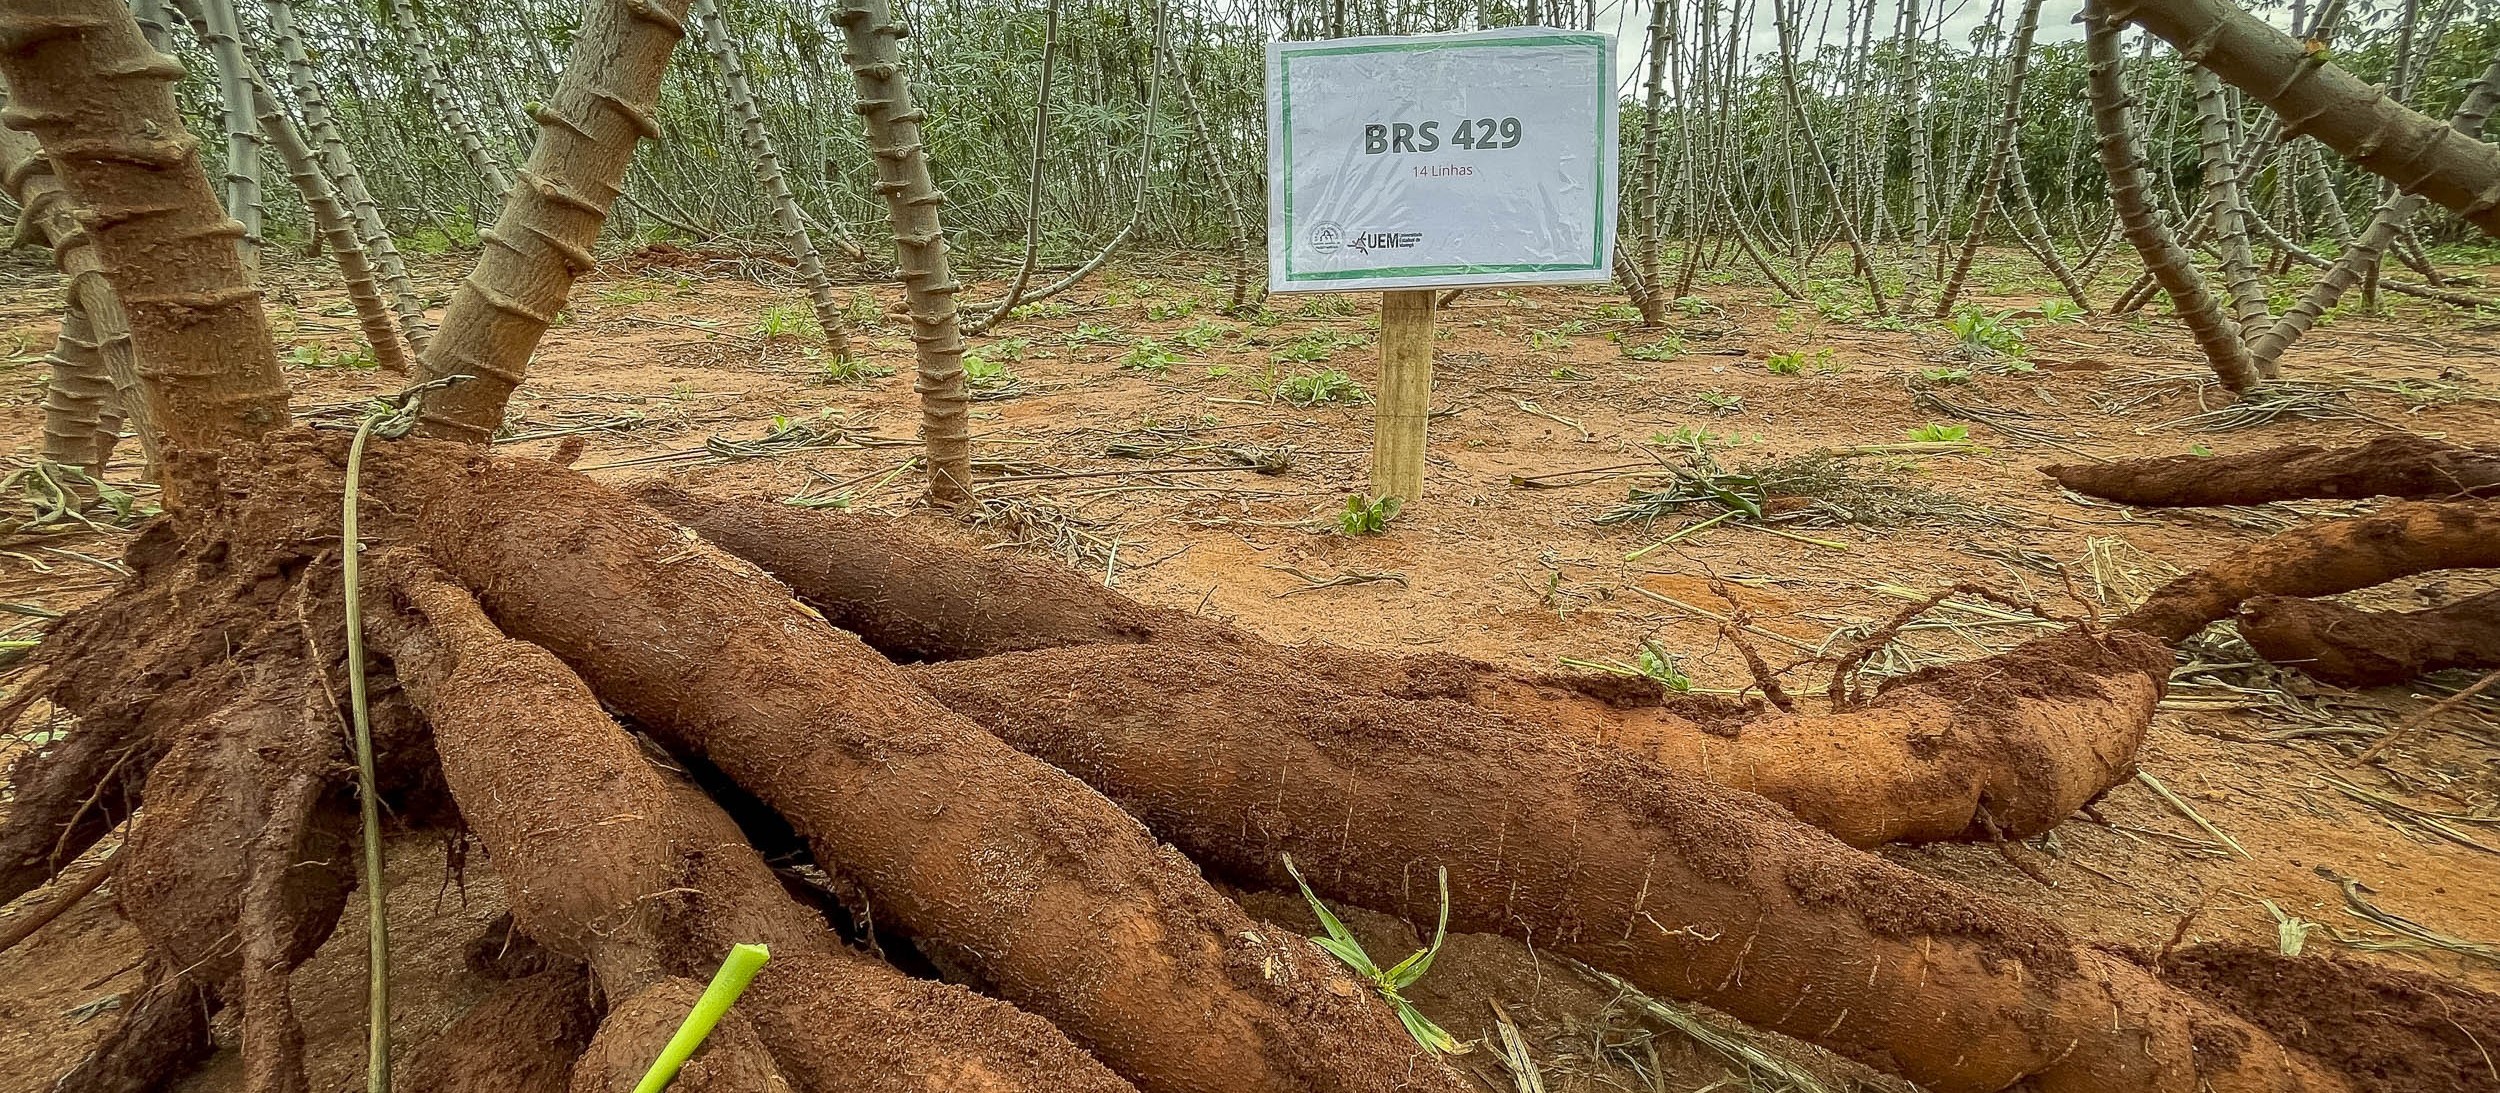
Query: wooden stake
[{"x": 1405, "y": 395}]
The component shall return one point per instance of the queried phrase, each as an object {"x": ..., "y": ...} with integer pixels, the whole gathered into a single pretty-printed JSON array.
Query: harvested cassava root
[
  {"x": 1056, "y": 900},
  {"x": 2395, "y": 465},
  {"x": 541, "y": 773},
  {"x": 1678, "y": 885},
  {"x": 2005, "y": 747},
  {"x": 1372, "y": 771},
  {"x": 2356, "y": 648},
  {"x": 2402, "y": 539}
]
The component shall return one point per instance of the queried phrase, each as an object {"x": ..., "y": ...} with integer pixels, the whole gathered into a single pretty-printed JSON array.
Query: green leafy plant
[
  {"x": 1171, "y": 309},
  {"x": 982, "y": 373},
  {"x": 1698, "y": 439},
  {"x": 790, "y": 320},
  {"x": 1341, "y": 943},
  {"x": 1326, "y": 306},
  {"x": 1546, "y": 341},
  {"x": 1618, "y": 312},
  {"x": 1364, "y": 516},
  {"x": 1093, "y": 333},
  {"x": 863, "y": 310},
  {"x": 1659, "y": 665},
  {"x": 1720, "y": 402},
  {"x": 1796, "y": 361},
  {"x": 1944, "y": 376},
  {"x": 2200, "y": 450},
  {"x": 318, "y": 357},
  {"x": 1313, "y": 388},
  {"x": 850, "y": 369},
  {"x": 1932, "y": 433},
  {"x": 1149, "y": 355},
  {"x": 2058, "y": 311},
  {"x": 1661, "y": 349},
  {"x": 1986, "y": 335},
  {"x": 1202, "y": 334},
  {"x": 1315, "y": 346},
  {"x": 1567, "y": 374}
]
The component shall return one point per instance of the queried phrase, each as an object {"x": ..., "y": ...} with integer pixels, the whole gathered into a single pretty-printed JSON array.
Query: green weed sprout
[
  {"x": 1149, "y": 355},
  {"x": 1363, "y": 516},
  {"x": 1659, "y": 665},
  {"x": 1313, "y": 388},
  {"x": 1341, "y": 944},
  {"x": 1986, "y": 335},
  {"x": 727, "y": 984},
  {"x": 1932, "y": 433}
]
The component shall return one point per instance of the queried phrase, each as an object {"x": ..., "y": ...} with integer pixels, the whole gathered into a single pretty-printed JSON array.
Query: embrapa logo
[{"x": 1328, "y": 237}]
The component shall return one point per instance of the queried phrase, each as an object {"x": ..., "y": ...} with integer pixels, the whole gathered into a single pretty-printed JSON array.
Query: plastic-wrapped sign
[{"x": 1440, "y": 160}]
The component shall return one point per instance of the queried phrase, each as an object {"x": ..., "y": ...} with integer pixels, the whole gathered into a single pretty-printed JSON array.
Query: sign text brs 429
[{"x": 1479, "y": 134}]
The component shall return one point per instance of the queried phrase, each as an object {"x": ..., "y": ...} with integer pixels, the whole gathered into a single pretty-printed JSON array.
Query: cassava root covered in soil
[
  {"x": 2394, "y": 465},
  {"x": 2324, "y": 559},
  {"x": 539, "y": 772},
  {"x": 1052, "y": 897},
  {"x": 1047, "y": 893},
  {"x": 2004, "y": 747},
  {"x": 1372, "y": 771},
  {"x": 2356, "y": 648}
]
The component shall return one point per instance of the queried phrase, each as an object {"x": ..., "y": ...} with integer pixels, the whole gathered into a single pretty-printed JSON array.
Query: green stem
[
  {"x": 377, "y": 933},
  {"x": 727, "y": 984}
]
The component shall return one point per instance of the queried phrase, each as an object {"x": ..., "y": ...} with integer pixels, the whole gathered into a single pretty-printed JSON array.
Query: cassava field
[{"x": 1138, "y": 435}]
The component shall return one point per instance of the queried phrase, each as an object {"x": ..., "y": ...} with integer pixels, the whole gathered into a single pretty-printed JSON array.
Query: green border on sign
[{"x": 1605, "y": 183}]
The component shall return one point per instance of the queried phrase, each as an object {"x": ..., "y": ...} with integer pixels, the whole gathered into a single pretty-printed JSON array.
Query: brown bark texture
[
  {"x": 587, "y": 130},
  {"x": 88, "y": 299},
  {"x": 2170, "y": 264},
  {"x": 84, "y": 81},
  {"x": 1683, "y": 887},
  {"x": 912, "y": 200}
]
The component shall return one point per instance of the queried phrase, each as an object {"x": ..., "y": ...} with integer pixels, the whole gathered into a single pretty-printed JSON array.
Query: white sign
[{"x": 1441, "y": 160}]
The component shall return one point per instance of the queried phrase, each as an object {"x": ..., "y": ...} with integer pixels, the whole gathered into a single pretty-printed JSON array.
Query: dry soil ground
[{"x": 1118, "y": 431}]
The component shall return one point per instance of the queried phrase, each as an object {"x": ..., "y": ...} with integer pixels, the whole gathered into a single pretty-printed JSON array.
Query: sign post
[{"x": 1409, "y": 164}]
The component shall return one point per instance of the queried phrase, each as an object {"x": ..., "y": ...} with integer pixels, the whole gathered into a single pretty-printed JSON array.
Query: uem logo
[
  {"x": 1327, "y": 237},
  {"x": 1368, "y": 241}
]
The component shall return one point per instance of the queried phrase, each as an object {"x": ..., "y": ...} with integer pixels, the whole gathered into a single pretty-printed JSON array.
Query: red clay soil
[
  {"x": 2324, "y": 559},
  {"x": 2008, "y": 746},
  {"x": 2395, "y": 465},
  {"x": 2351, "y": 647},
  {"x": 542, "y": 775},
  {"x": 1681, "y": 886},
  {"x": 2392, "y": 1031},
  {"x": 1061, "y": 903}
]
